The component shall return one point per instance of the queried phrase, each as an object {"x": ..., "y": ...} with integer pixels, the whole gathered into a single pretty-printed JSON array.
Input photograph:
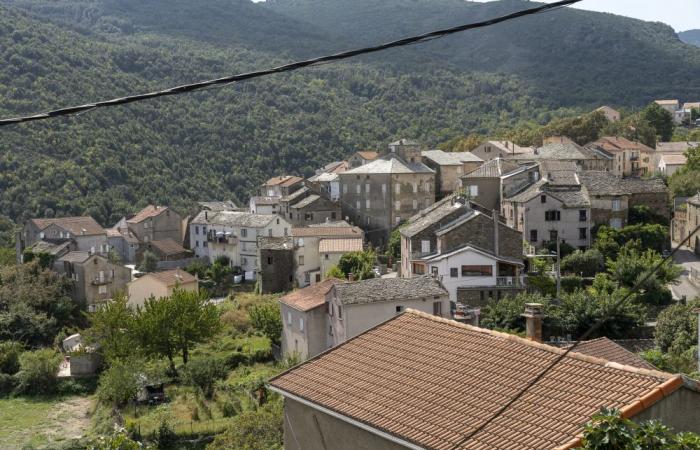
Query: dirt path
[{"x": 68, "y": 419}]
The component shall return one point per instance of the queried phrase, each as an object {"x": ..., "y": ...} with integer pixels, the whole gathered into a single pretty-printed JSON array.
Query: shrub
[
  {"x": 586, "y": 264},
  {"x": 9, "y": 357},
  {"x": 258, "y": 429},
  {"x": 120, "y": 383},
  {"x": 204, "y": 372},
  {"x": 236, "y": 319},
  {"x": 230, "y": 408},
  {"x": 571, "y": 283},
  {"x": 266, "y": 318},
  {"x": 38, "y": 370},
  {"x": 8, "y": 383}
]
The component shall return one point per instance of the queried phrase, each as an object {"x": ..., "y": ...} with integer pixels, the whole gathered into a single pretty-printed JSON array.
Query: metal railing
[{"x": 509, "y": 281}]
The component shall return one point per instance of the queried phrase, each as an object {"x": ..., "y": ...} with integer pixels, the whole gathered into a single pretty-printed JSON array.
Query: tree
[
  {"x": 660, "y": 119},
  {"x": 112, "y": 327},
  {"x": 676, "y": 322},
  {"x": 649, "y": 236},
  {"x": 634, "y": 128},
  {"x": 394, "y": 245},
  {"x": 203, "y": 373},
  {"x": 120, "y": 383},
  {"x": 149, "y": 262},
  {"x": 586, "y": 264},
  {"x": 582, "y": 129},
  {"x": 9, "y": 357},
  {"x": 360, "y": 264},
  {"x": 335, "y": 272},
  {"x": 267, "y": 318},
  {"x": 37, "y": 373},
  {"x": 506, "y": 313},
  {"x": 608, "y": 430},
  {"x": 641, "y": 214},
  {"x": 174, "y": 324}
]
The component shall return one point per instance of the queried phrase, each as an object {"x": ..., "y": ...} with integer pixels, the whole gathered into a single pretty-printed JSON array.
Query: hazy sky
[{"x": 680, "y": 14}]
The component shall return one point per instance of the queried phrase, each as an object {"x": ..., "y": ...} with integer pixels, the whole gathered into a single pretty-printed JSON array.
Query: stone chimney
[
  {"x": 534, "y": 313},
  {"x": 496, "y": 237}
]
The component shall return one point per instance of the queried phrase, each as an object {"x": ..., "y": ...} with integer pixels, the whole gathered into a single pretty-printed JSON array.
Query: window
[
  {"x": 340, "y": 311},
  {"x": 473, "y": 191},
  {"x": 244, "y": 232},
  {"x": 399, "y": 309},
  {"x": 301, "y": 324},
  {"x": 204, "y": 243},
  {"x": 325, "y": 256},
  {"x": 204, "y": 230},
  {"x": 397, "y": 205},
  {"x": 269, "y": 260},
  {"x": 582, "y": 215},
  {"x": 269, "y": 232},
  {"x": 367, "y": 204},
  {"x": 434, "y": 271},
  {"x": 368, "y": 220},
  {"x": 103, "y": 289},
  {"x": 552, "y": 216},
  {"x": 425, "y": 246},
  {"x": 278, "y": 221},
  {"x": 553, "y": 235},
  {"x": 543, "y": 199},
  {"x": 289, "y": 318},
  {"x": 415, "y": 188},
  {"x": 332, "y": 217},
  {"x": 616, "y": 205},
  {"x": 244, "y": 261},
  {"x": 384, "y": 188},
  {"x": 583, "y": 233},
  {"x": 357, "y": 188},
  {"x": 301, "y": 260},
  {"x": 196, "y": 243},
  {"x": 308, "y": 216},
  {"x": 357, "y": 205},
  {"x": 454, "y": 272},
  {"x": 477, "y": 271},
  {"x": 300, "y": 242},
  {"x": 92, "y": 250},
  {"x": 345, "y": 189},
  {"x": 41, "y": 235},
  {"x": 398, "y": 220},
  {"x": 196, "y": 230},
  {"x": 437, "y": 309},
  {"x": 415, "y": 204},
  {"x": 616, "y": 223},
  {"x": 367, "y": 188},
  {"x": 398, "y": 188}
]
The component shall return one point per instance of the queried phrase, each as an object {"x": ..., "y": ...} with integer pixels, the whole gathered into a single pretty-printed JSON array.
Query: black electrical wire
[
  {"x": 287, "y": 67},
  {"x": 583, "y": 337}
]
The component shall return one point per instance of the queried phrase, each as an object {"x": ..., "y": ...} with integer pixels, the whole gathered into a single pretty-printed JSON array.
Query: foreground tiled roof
[
  {"x": 322, "y": 231},
  {"x": 431, "y": 382},
  {"x": 377, "y": 290},
  {"x": 340, "y": 245},
  {"x": 147, "y": 212},
  {"x": 606, "y": 349},
  {"x": 173, "y": 277},
  {"x": 310, "y": 297},
  {"x": 85, "y": 225}
]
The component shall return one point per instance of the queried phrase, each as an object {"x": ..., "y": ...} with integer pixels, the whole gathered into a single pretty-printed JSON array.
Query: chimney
[
  {"x": 206, "y": 215},
  {"x": 496, "y": 237},
  {"x": 534, "y": 313},
  {"x": 351, "y": 277}
]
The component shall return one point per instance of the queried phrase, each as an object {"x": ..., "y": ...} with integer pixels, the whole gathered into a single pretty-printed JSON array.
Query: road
[{"x": 686, "y": 288}]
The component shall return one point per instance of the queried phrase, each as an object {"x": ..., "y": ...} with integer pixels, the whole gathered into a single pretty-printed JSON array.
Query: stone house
[
  {"x": 362, "y": 158},
  {"x": 328, "y": 184},
  {"x": 358, "y": 306},
  {"x": 308, "y": 206},
  {"x": 562, "y": 149},
  {"x": 449, "y": 167},
  {"x": 264, "y": 205},
  {"x": 611, "y": 114},
  {"x": 159, "y": 285},
  {"x": 496, "y": 179},
  {"x": 669, "y": 105},
  {"x": 547, "y": 211},
  {"x": 499, "y": 149},
  {"x": 401, "y": 385},
  {"x": 686, "y": 221},
  {"x": 380, "y": 195},
  {"x": 630, "y": 159},
  {"x": 216, "y": 206},
  {"x": 309, "y": 261},
  {"x": 164, "y": 250},
  {"x": 123, "y": 243},
  {"x": 305, "y": 321},
  {"x": 95, "y": 279},
  {"x": 281, "y": 186},
  {"x": 275, "y": 264},
  {"x": 156, "y": 223},
  {"x": 85, "y": 232},
  {"x": 669, "y": 164}
]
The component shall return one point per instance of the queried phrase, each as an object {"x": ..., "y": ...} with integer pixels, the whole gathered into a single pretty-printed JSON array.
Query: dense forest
[{"x": 222, "y": 143}]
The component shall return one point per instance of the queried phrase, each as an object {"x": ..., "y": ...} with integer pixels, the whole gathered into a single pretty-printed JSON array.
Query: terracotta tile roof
[
  {"x": 322, "y": 231},
  {"x": 168, "y": 246},
  {"x": 340, "y": 245},
  {"x": 618, "y": 143},
  {"x": 310, "y": 297},
  {"x": 368, "y": 155},
  {"x": 147, "y": 212},
  {"x": 173, "y": 277},
  {"x": 675, "y": 147},
  {"x": 85, "y": 225},
  {"x": 285, "y": 180},
  {"x": 606, "y": 349},
  {"x": 262, "y": 200},
  {"x": 666, "y": 102},
  {"x": 430, "y": 382}
]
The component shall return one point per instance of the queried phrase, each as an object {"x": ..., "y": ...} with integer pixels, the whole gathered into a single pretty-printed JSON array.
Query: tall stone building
[{"x": 380, "y": 195}]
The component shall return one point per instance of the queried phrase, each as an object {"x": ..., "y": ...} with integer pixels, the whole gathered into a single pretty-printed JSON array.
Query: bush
[
  {"x": 9, "y": 357},
  {"x": 237, "y": 319},
  {"x": 571, "y": 283},
  {"x": 8, "y": 383},
  {"x": 266, "y": 318},
  {"x": 674, "y": 323},
  {"x": 38, "y": 370},
  {"x": 259, "y": 429},
  {"x": 204, "y": 372},
  {"x": 585, "y": 264},
  {"x": 120, "y": 383}
]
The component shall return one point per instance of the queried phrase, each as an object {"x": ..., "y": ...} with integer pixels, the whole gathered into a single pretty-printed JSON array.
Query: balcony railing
[
  {"x": 509, "y": 281},
  {"x": 222, "y": 239}
]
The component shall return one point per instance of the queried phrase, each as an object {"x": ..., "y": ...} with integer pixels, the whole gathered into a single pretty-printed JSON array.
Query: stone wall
[{"x": 276, "y": 270}]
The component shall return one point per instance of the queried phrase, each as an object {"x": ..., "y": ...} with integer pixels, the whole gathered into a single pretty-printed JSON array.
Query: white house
[{"x": 669, "y": 164}]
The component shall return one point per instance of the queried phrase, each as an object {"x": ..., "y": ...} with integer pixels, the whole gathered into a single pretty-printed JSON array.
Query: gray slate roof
[
  {"x": 419, "y": 223},
  {"x": 307, "y": 201},
  {"x": 235, "y": 219},
  {"x": 441, "y": 158},
  {"x": 389, "y": 164},
  {"x": 378, "y": 290},
  {"x": 465, "y": 156},
  {"x": 606, "y": 183},
  {"x": 75, "y": 257},
  {"x": 276, "y": 243},
  {"x": 265, "y": 200},
  {"x": 493, "y": 169},
  {"x": 294, "y": 195},
  {"x": 226, "y": 205},
  {"x": 572, "y": 197}
]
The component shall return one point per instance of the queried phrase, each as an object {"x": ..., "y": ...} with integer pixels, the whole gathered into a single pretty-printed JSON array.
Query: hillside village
[{"x": 357, "y": 270}]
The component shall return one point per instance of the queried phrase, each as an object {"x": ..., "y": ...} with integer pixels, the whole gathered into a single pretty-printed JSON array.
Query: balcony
[
  {"x": 514, "y": 282},
  {"x": 101, "y": 281},
  {"x": 634, "y": 157},
  {"x": 222, "y": 238}
]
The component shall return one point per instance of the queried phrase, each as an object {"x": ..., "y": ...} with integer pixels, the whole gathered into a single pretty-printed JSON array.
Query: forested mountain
[
  {"x": 690, "y": 37},
  {"x": 222, "y": 143}
]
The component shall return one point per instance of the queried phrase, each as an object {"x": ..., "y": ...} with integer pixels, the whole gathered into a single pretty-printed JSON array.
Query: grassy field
[{"x": 36, "y": 423}]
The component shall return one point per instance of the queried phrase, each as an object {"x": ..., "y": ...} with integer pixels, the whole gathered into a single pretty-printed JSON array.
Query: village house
[
  {"x": 475, "y": 255},
  {"x": 673, "y": 107},
  {"x": 449, "y": 167},
  {"x": 630, "y": 159},
  {"x": 281, "y": 186},
  {"x": 275, "y": 264},
  {"x": 308, "y": 206},
  {"x": 305, "y": 320},
  {"x": 317, "y": 248},
  {"x": 362, "y": 158},
  {"x": 563, "y": 149},
  {"x": 669, "y": 164},
  {"x": 334, "y": 167},
  {"x": 216, "y": 206},
  {"x": 234, "y": 235},
  {"x": 687, "y": 219},
  {"x": 85, "y": 232},
  {"x": 380, "y": 195},
  {"x": 164, "y": 250},
  {"x": 264, "y": 205},
  {"x": 357, "y": 306},
  {"x": 159, "y": 285},
  {"x": 419, "y": 381},
  {"x": 496, "y": 179},
  {"x": 52, "y": 250},
  {"x": 95, "y": 280},
  {"x": 612, "y": 197},
  {"x": 611, "y": 114},
  {"x": 156, "y": 223},
  {"x": 123, "y": 243},
  {"x": 499, "y": 149}
]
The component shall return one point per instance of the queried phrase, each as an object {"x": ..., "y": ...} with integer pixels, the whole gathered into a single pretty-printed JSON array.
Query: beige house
[
  {"x": 362, "y": 158},
  {"x": 355, "y": 307},
  {"x": 562, "y": 149},
  {"x": 95, "y": 279},
  {"x": 611, "y": 114},
  {"x": 159, "y": 285},
  {"x": 423, "y": 382},
  {"x": 317, "y": 248},
  {"x": 630, "y": 159},
  {"x": 669, "y": 164},
  {"x": 669, "y": 105},
  {"x": 305, "y": 320},
  {"x": 156, "y": 223},
  {"x": 281, "y": 186},
  {"x": 449, "y": 167},
  {"x": 86, "y": 234},
  {"x": 499, "y": 149},
  {"x": 496, "y": 179}
]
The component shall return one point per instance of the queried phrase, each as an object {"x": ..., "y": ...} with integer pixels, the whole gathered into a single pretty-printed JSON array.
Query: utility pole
[
  {"x": 697, "y": 311},
  {"x": 558, "y": 266}
]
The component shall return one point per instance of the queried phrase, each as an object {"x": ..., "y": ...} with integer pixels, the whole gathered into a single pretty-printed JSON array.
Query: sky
[{"x": 680, "y": 14}]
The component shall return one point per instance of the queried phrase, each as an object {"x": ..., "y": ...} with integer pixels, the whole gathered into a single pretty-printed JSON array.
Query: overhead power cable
[
  {"x": 287, "y": 67},
  {"x": 596, "y": 326}
]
